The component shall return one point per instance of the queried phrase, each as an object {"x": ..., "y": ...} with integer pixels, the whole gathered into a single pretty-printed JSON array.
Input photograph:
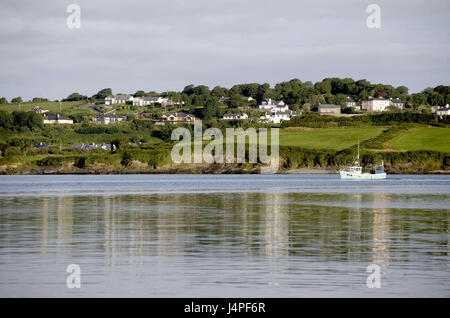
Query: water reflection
[{"x": 219, "y": 237}]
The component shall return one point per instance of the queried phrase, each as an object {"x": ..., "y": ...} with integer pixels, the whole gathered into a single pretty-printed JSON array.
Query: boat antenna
[{"x": 357, "y": 156}]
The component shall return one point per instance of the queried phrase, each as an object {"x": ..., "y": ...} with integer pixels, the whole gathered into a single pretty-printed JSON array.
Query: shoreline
[{"x": 195, "y": 170}]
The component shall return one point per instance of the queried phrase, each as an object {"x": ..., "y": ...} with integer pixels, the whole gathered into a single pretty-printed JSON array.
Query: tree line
[{"x": 299, "y": 94}]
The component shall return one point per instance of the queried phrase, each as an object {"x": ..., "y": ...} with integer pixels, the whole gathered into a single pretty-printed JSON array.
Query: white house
[
  {"x": 164, "y": 101},
  {"x": 276, "y": 117},
  {"x": 350, "y": 102},
  {"x": 375, "y": 104},
  {"x": 119, "y": 98},
  {"x": 178, "y": 117},
  {"x": 397, "y": 102},
  {"x": 235, "y": 116},
  {"x": 443, "y": 111},
  {"x": 51, "y": 119},
  {"x": 107, "y": 119},
  {"x": 269, "y": 104}
]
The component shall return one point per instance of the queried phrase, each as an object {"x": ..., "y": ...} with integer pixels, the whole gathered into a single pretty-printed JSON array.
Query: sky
[{"x": 161, "y": 45}]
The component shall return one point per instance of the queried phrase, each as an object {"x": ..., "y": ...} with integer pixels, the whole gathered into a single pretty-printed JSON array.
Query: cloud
[{"x": 160, "y": 45}]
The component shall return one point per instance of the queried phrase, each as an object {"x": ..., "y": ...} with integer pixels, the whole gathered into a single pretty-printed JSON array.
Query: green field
[
  {"x": 423, "y": 139},
  {"x": 327, "y": 138},
  {"x": 51, "y": 106}
]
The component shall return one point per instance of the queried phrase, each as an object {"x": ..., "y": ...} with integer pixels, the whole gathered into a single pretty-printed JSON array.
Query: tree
[
  {"x": 235, "y": 101},
  {"x": 17, "y": 100},
  {"x": 75, "y": 97},
  {"x": 219, "y": 91},
  {"x": 102, "y": 94},
  {"x": 6, "y": 120},
  {"x": 3, "y": 100},
  {"x": 31, "y": 120},
  {"x": 39, "y": 100},
  {"x": 139, "y": 93},
  {"x": 323, "y": 87}
]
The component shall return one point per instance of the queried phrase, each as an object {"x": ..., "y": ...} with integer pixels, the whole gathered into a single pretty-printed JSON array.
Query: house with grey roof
[
  {"x": 108, "y": 119},
  {"x": 57, "y": 119},
  {"x": 329, "y": 109}
]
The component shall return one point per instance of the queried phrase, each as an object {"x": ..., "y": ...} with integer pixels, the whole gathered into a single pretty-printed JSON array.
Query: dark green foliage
[
  {"x": 102, "y": 94},
  {"x": 127, "y": 158},
  {"x": 97, "y": 130},
  {"x": 75, "y": 97},
  {"x": 27, "y": 119},
  {"x": 80, "y": 162},
  {"x": 17, "y": 100}
]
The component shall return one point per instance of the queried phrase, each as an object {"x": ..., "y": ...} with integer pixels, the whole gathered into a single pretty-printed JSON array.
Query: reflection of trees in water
[
  {"x": 381, "y": 230},
  {"x": 275, "y": 224},
  {"x": 127, "y": 228},
  {"x": 64, "y": 212}
]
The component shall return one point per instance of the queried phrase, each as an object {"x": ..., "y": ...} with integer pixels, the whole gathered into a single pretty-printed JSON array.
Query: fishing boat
[{"x": 355, "y": 171}]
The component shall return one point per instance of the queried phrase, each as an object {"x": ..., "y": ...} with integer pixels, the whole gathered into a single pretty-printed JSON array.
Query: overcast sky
[{"x": 167, "y": 44}]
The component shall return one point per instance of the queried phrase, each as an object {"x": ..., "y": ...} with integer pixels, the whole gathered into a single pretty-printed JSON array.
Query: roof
[
  {"x": 178, "y": 114},
  {"x": 397, "y": 100},
  {"x": 56, "y": 117},
  {"x": 329, "y": 106},
  {"x": 350, "y": 100}
]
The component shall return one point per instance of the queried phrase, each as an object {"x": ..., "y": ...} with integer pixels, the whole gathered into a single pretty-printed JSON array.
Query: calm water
[{"x": 224, "y": 235}]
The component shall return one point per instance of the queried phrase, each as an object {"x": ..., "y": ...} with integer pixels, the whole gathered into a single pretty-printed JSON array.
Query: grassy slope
[
  {"x": 327, "y": 138},
  {"x": 51, "y": 106},
  {"x": 423, "y": 139}
]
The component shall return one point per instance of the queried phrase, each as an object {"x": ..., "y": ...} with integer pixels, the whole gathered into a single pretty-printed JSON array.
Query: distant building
[
  {"x": 52, "y": 119},
  {"x": 149, "y": 100},
  {"x": 375, "y": 104},
  {"x": 269, "y": 104},
  {"x": 329, "y": 109},
  {"x": 443, "y": 111},
  {"x": 178, "y": 117},
  {"x": 350, "y": 102},
  {"x": 119, "y": 98},
  {"x": 41, "y": 145},
  {"x": 278, "y": 116},
  {"x": 108, "y": 119},
  {"x": 397, "y": 102},
  {"x": 39, "y": 110},
  {"x": 91, "y": 146},
  {"x": 235, "y": 116},
  {"x": 224, "y": 100}
]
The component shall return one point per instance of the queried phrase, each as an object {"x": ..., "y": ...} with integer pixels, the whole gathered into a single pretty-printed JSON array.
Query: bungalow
[
  {"x": 91, "y": 146},
  {"x": 119, "y": 98},
  {"x": 41, "y": 145},
  {"x": 178, "y": 117},
  {"x": 276, "y": 117},
  {"x": 164, "y": 101},
  {"x": 39, "y": 110},
  {"x": 443, "y": 111},
  {"x": 329, "y": 109},
  {"x": 107, "y": 119},
  {"x": 51, "y": 119},
  {"x": 235, "y": 116}
]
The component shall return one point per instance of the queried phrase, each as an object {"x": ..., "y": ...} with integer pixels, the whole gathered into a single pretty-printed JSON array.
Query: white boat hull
[{"x": 362, "y": 176}]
